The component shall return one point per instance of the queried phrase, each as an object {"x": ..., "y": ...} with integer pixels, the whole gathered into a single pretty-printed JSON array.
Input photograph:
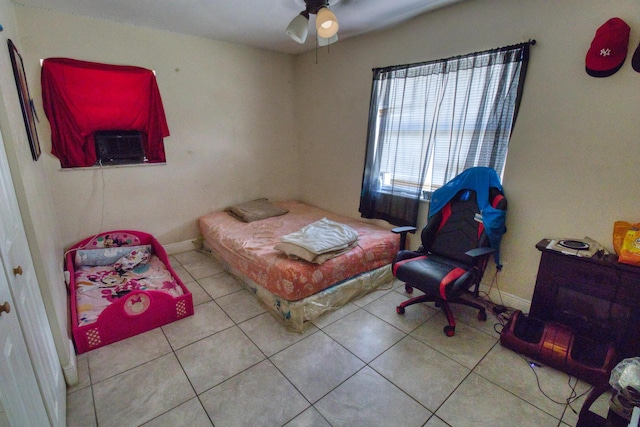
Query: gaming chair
[{"x": 454, "y": 253}]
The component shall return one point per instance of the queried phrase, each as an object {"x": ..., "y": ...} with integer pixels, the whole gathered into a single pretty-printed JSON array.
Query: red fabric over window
[{"x": 82, "y": 97}]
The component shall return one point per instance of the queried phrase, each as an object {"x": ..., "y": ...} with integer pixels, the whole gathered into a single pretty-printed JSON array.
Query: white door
[
  {"x": 19, "y": 391},
  {"x": 28, "y": 307}
]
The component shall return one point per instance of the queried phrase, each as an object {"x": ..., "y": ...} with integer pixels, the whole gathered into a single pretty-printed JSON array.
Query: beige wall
[
  {"x": 571, "y": 164},
  {"x": 230, "y": 114}
]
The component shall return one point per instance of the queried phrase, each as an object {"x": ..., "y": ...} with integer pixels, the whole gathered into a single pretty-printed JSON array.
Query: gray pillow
[{"x": 255, "y": 210}]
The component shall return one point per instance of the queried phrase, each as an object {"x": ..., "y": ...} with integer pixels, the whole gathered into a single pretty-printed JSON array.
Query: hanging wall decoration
[{"x": 28, "y": 109}]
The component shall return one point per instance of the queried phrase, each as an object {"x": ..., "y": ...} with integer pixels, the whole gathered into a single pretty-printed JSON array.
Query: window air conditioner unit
[{"x": 118, "y": 147}]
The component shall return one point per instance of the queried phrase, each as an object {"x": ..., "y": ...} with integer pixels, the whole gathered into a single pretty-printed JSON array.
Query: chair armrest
[
  {"x": 478, "y": 252},
  {"x": 402, "y": 231}
]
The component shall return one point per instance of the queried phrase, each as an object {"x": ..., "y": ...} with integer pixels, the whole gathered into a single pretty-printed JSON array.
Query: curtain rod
[{"x": 530, "y": 42}]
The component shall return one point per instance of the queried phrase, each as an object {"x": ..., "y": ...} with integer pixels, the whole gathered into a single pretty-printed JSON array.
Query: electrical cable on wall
[{"x": 101, "y": 212}]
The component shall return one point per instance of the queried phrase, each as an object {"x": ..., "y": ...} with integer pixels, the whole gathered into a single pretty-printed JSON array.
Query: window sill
[{"x": 130, "y": 165}]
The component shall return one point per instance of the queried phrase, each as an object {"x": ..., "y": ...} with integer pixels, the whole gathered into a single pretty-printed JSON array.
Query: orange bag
[
  {"x": 619, "y": 231},
  {"x": 626, "y": 242}
]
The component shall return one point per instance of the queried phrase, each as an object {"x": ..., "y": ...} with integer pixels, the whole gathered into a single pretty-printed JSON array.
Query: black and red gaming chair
[{"x": 454, "y": 254}]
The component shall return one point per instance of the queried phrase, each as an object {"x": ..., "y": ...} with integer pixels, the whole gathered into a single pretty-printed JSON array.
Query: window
[
  {"x": 83, "y": 99},
  {"x": 430, "y": 121}
]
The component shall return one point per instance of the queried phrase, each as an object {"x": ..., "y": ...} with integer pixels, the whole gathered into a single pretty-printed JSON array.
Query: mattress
[{"x": 249, "y": 249}]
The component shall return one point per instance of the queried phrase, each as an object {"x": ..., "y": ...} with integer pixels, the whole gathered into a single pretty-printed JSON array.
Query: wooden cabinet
[{"x": 597, "y": 297}]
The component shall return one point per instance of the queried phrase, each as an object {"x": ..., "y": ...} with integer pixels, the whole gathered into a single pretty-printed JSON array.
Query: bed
[
  {"x": 297, "y": 291},
  {"x": 121, "y": 284}
]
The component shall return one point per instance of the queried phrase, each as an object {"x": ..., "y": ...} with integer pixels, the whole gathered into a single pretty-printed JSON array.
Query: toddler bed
[
  {"x": 295, "y": 290},
  {"x": 121, "y": 284}
]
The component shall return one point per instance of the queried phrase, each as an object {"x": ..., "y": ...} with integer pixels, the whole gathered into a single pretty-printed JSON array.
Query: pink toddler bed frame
[{"x": 115, "y": 323}]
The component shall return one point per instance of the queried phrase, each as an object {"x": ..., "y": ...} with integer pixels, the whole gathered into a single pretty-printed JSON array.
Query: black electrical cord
[{"x": 573, "y": 396}]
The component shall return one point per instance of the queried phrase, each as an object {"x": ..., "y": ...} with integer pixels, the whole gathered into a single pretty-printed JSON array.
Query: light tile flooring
[{"x": 233, "y": 364}]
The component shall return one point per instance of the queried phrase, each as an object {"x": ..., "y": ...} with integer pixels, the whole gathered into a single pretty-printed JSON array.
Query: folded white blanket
[
  {"x": 323, "y": 236},
  {"x": 319, "y": 241}
]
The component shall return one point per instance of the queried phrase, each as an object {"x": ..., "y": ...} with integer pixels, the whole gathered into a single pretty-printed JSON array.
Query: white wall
[
  {"x": 230, "y": 114},
  {"x": 571, "y": 165}
]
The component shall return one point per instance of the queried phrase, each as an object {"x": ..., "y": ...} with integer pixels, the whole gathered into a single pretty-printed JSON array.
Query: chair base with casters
[
  {"x": 478, "y": 255},
  {"x": 455, "y": 247},
  {"x": 450, "y": 329}
]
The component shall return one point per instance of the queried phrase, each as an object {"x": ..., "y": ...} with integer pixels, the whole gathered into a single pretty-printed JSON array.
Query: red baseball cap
[{"x": 608, "y": 49}]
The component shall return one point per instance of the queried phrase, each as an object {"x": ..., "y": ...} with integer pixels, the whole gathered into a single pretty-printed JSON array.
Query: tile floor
[{"x": 233, "y": 364}]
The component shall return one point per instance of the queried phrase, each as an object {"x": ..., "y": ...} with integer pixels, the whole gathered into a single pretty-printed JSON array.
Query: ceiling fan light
[
  {"x": 326, "y": 23},
  {"x": 298, "y": 28},
  {"x": 326, "y": 42}
]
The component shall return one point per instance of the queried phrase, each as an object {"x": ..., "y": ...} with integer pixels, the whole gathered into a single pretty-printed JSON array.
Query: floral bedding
[
  {"x": 249, "y": 248},
  {"x": 99, "y": 286}
]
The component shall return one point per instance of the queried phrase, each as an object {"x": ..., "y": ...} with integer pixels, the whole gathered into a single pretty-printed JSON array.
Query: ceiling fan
[{"x": 326, "y": 23}]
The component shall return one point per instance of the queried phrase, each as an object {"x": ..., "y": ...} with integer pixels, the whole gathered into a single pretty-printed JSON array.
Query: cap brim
[{"x": 604, "y": 73}]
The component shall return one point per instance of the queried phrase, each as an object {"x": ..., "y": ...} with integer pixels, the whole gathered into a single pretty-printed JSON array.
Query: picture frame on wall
[{"x": 28, "y": 109}]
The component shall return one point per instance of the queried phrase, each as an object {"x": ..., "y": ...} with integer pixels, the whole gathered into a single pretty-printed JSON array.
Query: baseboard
[
  {"x": 505, "y": 298},
  {"x": 70, "y": 370},
  {"x": 176, "y": 248}
]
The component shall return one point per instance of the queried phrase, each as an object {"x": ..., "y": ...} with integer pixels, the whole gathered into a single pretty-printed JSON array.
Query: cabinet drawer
[
  {"x": 578, "y": 274},
  {"x": 572, "y": 267},
  {"x": 595, "y": 283}
]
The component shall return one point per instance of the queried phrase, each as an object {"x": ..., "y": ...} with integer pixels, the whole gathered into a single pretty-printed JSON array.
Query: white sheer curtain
[{"x": 430, "y": 121}]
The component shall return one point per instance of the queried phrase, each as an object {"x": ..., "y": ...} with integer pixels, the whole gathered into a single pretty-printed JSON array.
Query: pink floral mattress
[
  {"x": 99, "y": 286},
  {"x": 249, "y": 249}
]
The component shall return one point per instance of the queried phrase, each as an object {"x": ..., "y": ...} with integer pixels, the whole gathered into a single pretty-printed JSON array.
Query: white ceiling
[{"x": 257, "y": 23}]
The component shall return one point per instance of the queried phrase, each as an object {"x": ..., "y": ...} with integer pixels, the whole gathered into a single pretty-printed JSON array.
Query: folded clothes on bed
[{"x": 319, "y": 241}]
